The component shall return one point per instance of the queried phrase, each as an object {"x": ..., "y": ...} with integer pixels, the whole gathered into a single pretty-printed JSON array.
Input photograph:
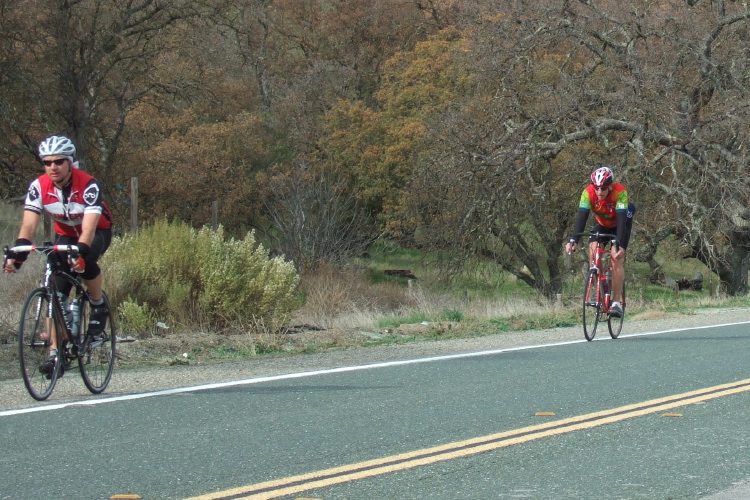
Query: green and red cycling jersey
[
  {"x": 605, "y": 211},
  {"x": 614, "y": 214}
]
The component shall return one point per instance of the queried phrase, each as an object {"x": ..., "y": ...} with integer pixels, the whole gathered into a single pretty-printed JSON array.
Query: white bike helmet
[
  {"x": 602, "y": 176},
  {"x": 57, "y": 145}
]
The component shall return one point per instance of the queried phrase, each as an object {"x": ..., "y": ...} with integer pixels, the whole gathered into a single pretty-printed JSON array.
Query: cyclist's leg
[
  {"x": 94, "y": 287},
  {"x": 52, "y": 353},
  {"x": 92, "y": 275},
  {"x": 92, "y": 278},
  {"x": 592, "y": 251},
  {"x": 618, "y": 276},
  {"x": 618, "y": 266},
  {"x": 63, "y": 287}
]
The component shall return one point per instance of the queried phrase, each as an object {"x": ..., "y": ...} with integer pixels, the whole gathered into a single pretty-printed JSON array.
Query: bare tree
[
  {"x": 316, "y": 218},
  {"x": 658, "y": 91},
  {"x": 684, "y": 78},
  {"x": 84, "y": 65}
]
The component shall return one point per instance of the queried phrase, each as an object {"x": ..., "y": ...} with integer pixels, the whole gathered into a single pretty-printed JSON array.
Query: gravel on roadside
[{"x": 147, "y": 379}]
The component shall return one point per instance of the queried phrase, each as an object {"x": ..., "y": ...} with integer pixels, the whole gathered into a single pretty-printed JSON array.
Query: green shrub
[
  {"x": 135, "y": 319},
  {"x": 192, "y": 278},
  {"x": 453, "y": 315}
]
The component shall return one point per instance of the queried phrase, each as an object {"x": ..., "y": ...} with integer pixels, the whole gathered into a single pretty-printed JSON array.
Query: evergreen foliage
[{"x": 175, "y": 274}]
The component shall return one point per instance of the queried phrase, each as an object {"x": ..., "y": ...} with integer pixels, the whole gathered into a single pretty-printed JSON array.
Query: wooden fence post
[
  {"x": 214, "y": 215},
  {"x": 134, "y": 205}
]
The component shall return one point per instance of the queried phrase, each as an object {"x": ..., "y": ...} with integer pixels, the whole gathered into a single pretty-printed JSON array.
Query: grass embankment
[{"x": 360, "y": 304}]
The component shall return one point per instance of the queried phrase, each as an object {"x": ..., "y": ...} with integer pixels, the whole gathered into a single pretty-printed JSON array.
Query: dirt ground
[
  {"x": 168, "y": 362},
  {"x": 187, "y": 348}
]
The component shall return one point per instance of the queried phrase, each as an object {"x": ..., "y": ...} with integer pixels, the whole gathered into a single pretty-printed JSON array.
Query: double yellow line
[{"x": 337, "y": 475}]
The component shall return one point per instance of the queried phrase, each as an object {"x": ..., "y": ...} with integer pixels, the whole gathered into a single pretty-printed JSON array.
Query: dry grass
[
  {"x": 342, "y": 309},
  {"x": 344, "y": 297},
  {"x": 15, "y": 287},
  {"x": 338, "y": 297}
]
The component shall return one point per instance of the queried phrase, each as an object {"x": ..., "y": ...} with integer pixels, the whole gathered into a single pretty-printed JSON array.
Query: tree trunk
[{"x": 732, "y": 270}]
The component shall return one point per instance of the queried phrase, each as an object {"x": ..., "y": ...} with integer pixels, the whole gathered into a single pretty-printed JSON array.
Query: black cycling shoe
[
  {"x": 616, "y": 310},
  {"x": 48, "y": 367},
  {"x": 97, "y": 320}
]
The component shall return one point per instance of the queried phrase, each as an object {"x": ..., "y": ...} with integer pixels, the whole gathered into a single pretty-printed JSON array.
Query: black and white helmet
[{"x": 57, "y": 145}]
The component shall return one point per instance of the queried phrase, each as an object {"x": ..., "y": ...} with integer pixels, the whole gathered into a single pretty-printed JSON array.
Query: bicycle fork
[{"x": 593, "y": 291}]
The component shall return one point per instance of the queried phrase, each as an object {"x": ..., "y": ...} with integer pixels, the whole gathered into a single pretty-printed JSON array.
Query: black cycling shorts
[
  {"x": 102, "y": 240},
  {"x": 613, "y": 230}
]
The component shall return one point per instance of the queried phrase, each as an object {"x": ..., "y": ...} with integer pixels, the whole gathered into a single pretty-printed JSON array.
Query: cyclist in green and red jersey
[{"x": 614, "y": 216}]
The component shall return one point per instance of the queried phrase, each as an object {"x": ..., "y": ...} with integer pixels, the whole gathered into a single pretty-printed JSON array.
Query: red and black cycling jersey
[{"x": 66, "y": 206}]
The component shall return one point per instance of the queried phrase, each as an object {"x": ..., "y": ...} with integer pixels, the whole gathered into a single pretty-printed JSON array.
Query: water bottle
[
  {"x": 65, "y": 308},
  {"x": 75, "y": 316}
]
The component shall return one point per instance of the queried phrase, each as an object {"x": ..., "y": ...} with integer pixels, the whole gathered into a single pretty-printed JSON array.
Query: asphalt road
[{"x": 662, "y": 416}]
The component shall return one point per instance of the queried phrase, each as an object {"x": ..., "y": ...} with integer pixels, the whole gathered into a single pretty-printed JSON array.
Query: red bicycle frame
[{"x": 597, "y": 298}]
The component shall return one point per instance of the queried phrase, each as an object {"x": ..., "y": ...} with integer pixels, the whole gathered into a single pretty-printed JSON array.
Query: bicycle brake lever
[{"x": 73, "y": 256}]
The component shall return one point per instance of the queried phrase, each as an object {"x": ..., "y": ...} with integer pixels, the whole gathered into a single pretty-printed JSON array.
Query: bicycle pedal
[{"x": 97, "y": 342}]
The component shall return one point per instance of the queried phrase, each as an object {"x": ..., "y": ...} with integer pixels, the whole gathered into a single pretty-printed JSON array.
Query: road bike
[
  {"x": 48, "y": 319},
  {"x": 597, "y": 290}
]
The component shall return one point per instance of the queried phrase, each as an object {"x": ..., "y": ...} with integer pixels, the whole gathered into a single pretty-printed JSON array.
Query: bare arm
[
  {"x": 29, "y": 225},
  {"x": 88, "y": 228}
]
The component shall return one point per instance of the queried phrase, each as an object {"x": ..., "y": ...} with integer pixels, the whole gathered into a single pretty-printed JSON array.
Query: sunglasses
[
  {"x": 58, "y": 162},
  {"x": 602, "y": 188}
]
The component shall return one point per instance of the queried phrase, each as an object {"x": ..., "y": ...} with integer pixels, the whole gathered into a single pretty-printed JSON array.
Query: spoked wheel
[
  {"x": 97, "y": 357},
  {"x": 615, "y": 324},
  {"x": 38, "y": 318},
  {"x": 591, "y": 305}
]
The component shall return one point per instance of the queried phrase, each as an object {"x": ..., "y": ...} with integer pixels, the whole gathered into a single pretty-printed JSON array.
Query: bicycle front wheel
[
  {"x": 97, "y": 356},
  {"x": 591, "y": 305},
  {"x": 615, "y": 324},
  {"x": 38, "y": 319}
]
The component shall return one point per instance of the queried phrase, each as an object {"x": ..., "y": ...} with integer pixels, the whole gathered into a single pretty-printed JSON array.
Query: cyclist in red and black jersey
[
  {"x": 73, "y": 199},
  {"x": 614, "y": 215}
]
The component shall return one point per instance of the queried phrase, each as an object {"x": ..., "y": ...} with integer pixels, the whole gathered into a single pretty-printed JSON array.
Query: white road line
[{"x": 271, "y": 378}]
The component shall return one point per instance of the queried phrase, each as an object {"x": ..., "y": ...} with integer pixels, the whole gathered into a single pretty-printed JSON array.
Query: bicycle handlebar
[
  {"x": 72, "y": 250},
  {"x": 612, "y": 237},
  {"x": 43, "y": 248}
]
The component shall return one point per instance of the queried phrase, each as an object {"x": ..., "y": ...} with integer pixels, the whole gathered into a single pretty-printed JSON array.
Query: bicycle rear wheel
[
  {"x": 615, "y": 324},
  {"x": 591, "y": 305},
  {"x": 34, "y": 337},
  {"x": 97, "y": 357}
]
